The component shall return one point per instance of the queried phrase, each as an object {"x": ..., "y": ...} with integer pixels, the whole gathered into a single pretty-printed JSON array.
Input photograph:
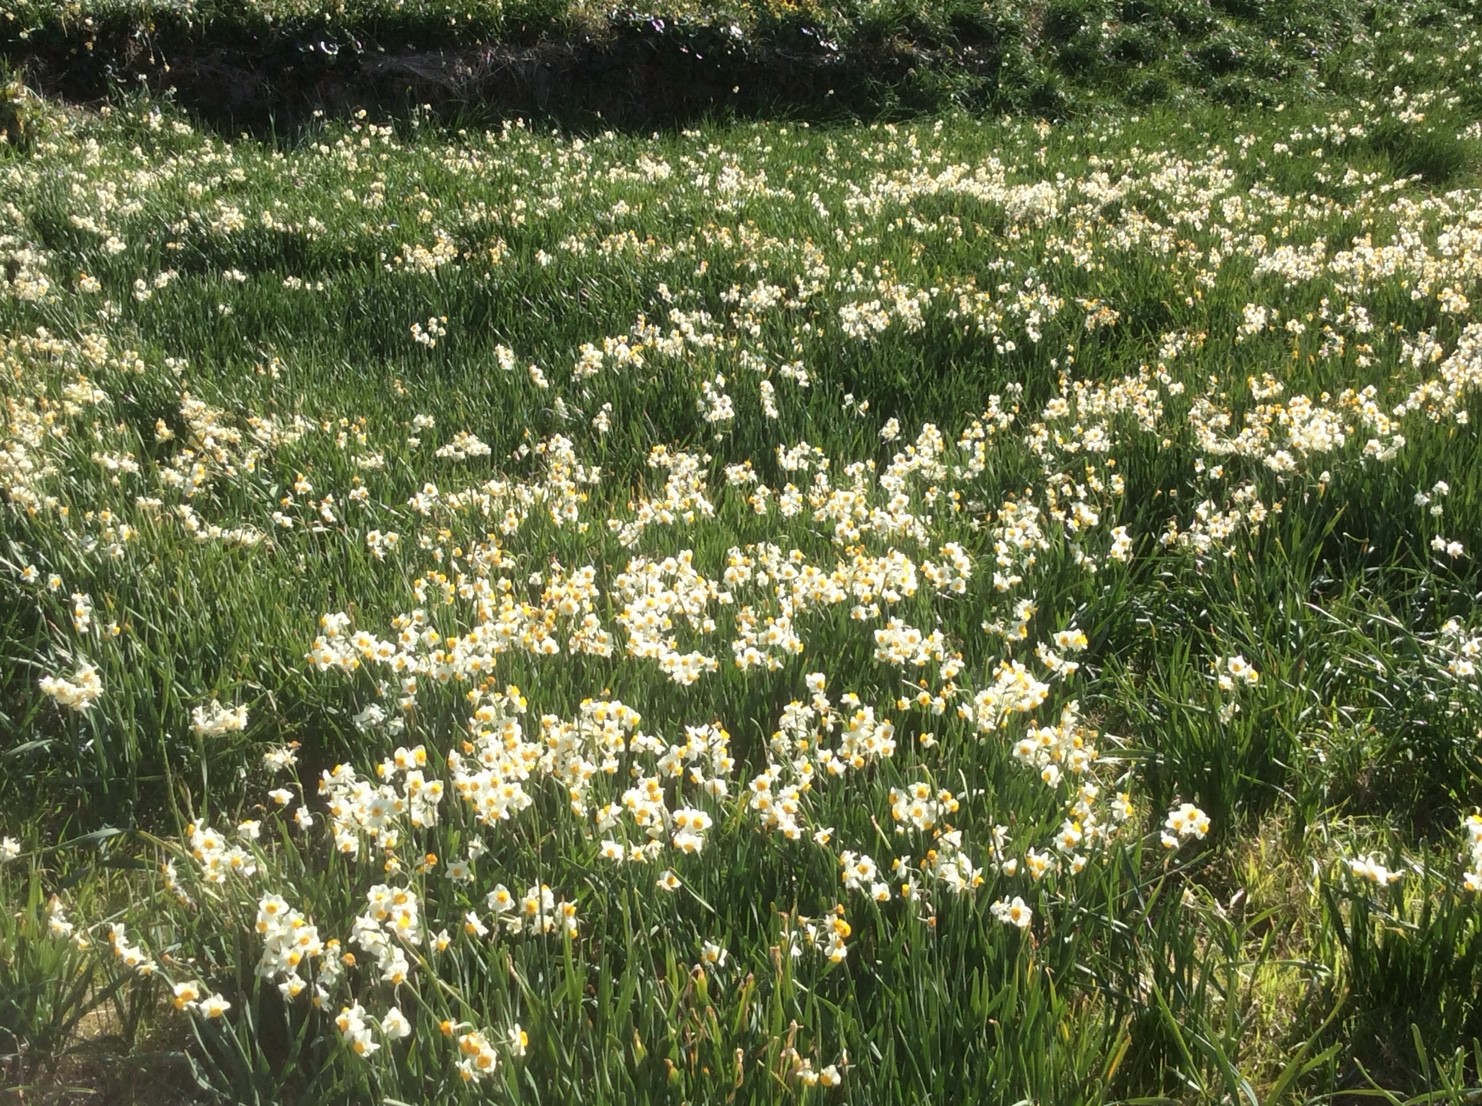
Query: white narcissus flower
[
  {"x": 1014, "y": 912},
  {"x": 395, "y": 1024}
]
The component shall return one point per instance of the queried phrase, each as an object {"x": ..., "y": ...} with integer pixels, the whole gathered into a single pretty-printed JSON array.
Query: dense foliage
[{"x": 245, "y": 63}]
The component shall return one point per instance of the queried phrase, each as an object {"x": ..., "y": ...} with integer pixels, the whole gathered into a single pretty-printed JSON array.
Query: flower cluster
[
  {"x": 1473, "y": 878},
  {"x": 1369, "y": 870},
  {"x": 1183, "y": 822},
  {"x": 1013, "y": 912},
  {"x": 1460, "y": 649},
  {"x": 1235, "y": 672},
  {"x": 213, "y": 719},
  {"x": 131, "y": 956},
  {"x": 79, "y": 693},
  {"x": 188, "y": 996},
  {"x": 364, "y": 1035}
]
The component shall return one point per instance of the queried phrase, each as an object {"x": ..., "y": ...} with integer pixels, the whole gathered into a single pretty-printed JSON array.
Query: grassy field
[{"x": 959, "y": 610}]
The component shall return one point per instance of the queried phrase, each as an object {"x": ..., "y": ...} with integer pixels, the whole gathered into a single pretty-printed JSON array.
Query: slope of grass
[{"x": 955, "y": 610}]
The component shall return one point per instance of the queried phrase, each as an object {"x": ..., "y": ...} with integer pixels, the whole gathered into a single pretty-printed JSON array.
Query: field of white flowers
[{"x": 957, "y": 611}]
